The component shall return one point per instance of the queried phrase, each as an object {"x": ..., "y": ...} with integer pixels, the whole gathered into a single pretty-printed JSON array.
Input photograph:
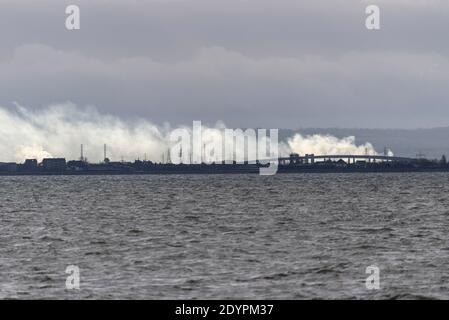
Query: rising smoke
[
  {"x": 59, "y": 130},
  {"x": 327, "y": 144}
]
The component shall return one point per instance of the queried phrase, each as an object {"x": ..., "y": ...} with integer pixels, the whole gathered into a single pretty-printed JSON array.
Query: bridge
[{"x": 348, "y": 158}]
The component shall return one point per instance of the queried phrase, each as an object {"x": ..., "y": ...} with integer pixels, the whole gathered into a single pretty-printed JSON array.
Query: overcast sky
[{"x": 250, "y": 63}]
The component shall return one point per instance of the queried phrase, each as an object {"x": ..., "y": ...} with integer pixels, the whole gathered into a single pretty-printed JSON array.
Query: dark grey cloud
[{"x": 252, "y": 63}]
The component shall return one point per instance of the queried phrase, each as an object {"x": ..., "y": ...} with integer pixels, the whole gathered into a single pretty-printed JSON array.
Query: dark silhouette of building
[
  {"x": 8, "y": 166},
  {"x": 54, "y": 164},
  {"x": 77, "y": 165},
  {"x": 30, "y": 164}
]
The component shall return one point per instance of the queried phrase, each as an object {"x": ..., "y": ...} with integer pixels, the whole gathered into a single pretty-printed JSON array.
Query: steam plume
[
  {"x": 58, "y": 131},
  {"x": 329, "y": 145}
]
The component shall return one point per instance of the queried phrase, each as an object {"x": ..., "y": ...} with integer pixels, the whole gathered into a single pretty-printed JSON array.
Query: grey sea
[{"x": 297, "y": 236}]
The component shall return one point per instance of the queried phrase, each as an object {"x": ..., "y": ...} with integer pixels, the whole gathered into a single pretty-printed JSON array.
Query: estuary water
[{"x": 296, "y": 236}]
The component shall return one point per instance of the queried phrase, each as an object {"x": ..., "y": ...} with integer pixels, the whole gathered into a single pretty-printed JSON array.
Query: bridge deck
[{"x": 349, "y": 156}]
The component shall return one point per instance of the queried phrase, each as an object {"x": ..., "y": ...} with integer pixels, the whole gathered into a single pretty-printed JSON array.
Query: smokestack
[
  {"x": 106, "y": 160},
  {"x": 82, "y": 154},
  {"x": 168, "y": 156}
]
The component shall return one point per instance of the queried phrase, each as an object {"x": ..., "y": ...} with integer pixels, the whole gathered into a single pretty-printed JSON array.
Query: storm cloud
[{"x": 249, "y": 63}]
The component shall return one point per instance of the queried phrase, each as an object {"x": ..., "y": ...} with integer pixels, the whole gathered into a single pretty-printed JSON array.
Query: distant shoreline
[{"x": 231, "y": 171}]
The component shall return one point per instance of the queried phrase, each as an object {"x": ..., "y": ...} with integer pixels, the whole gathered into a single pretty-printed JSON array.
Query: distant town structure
[
  {"x": 30, "y": 164},
  {"x": 54, "y": 164},
  {"x": 294, "y": 163}
]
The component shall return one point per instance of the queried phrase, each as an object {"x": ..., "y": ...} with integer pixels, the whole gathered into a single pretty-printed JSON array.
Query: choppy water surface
[{"x": 225, "y": 236}]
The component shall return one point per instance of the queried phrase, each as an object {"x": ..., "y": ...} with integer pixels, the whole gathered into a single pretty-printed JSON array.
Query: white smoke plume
[
  {"x": 329, "y": 145},
  {"x": 59, "y": 130}
]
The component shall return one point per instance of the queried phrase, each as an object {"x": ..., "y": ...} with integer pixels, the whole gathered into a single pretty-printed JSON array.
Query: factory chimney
[{"x": 106, "y": 160}]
